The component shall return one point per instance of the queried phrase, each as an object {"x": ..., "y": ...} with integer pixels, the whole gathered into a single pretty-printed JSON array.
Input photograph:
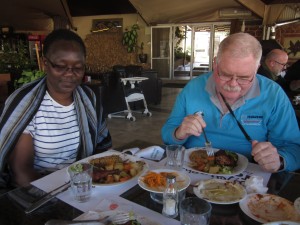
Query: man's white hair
[{"x": 240, "y": 45}]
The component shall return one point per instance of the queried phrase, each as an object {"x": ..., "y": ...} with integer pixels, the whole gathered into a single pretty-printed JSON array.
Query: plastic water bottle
[{"x": 170, "y": 198}]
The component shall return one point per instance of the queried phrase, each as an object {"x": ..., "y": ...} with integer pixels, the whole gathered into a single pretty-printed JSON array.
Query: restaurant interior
[{"x": 176, "y": 41}]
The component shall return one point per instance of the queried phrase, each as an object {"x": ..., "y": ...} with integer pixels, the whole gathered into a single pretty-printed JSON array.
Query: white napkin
[
  {"x": 254, "y": 184},
  {"x": 152, "y": 152},
  {"x": 115, "y": 204}
]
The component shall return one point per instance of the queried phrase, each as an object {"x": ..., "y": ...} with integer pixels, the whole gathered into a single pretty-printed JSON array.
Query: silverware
[
  {"x": 67, "y": 222},
  {"x": 47, "y": 197},
  {"x": 208, "y": 147}
]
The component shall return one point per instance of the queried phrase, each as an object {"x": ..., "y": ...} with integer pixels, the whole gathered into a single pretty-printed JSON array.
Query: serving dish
[
  {"x": 220, "y": 191},
  {"x": 266, "y": 208},
  {"x": 242, "y": 163},
  {"x": 182, "y": 180}
]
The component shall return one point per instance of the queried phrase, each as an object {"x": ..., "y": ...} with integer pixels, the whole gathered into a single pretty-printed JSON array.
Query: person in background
[
  {"x": 293, "y": 75},
  {"x": 54, "y": 121},
  {"x": 274, "y": 67},
  {"x": 258, "y": 103}
]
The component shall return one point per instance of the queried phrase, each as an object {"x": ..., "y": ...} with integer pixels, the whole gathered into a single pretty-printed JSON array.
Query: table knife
[
  {"x": 47, "y": 198},
  {"x": 70, "y": 222}
]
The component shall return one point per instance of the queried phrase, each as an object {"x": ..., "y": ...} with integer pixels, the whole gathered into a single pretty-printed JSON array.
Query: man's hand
[
  {"x": 191, "y": 125},
  {"x": 266, "y": 155}
]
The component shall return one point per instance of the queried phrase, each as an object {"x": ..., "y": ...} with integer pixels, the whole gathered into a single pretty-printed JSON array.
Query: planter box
[{"x": 4, "y": 79}]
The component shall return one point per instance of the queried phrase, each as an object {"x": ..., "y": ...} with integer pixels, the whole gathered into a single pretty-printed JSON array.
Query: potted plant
[
  {"x": 142, "y": 55},
  {"x": 14, "y": 61},
  {"x": 28, "y": 76},
  {"x": 130, "y": 38}
]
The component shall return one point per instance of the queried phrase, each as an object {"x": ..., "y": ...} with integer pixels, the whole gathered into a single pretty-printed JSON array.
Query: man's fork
[{"x": 208, "y": 148}]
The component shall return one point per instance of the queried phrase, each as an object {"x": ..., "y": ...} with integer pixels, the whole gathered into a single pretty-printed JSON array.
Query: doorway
[{"x": 194, "y": 47}]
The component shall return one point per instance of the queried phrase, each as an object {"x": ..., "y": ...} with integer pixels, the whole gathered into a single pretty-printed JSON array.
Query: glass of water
[
  {"x": 81, "y": 181},
  {"x": 194, "y": 211},
  {"x": 175, "y": 156}
]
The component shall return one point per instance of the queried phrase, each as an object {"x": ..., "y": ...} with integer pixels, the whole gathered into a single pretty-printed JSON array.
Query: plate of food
[
  {"x": 155, "y": 181},
  {"x": 220, "y": 191},
  {"x": 266, "y": 208},
  {"x": 115, "y": 168},
  {"x": 224, "y": 163}
]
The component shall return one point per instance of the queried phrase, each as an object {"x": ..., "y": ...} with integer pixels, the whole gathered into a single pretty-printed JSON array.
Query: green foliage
[
  {"x": 14, "y": 61},
  {"x": 130, "y": 38},
  {"x": 28, "y": 76},
  {"x": 179, "y": 53}
]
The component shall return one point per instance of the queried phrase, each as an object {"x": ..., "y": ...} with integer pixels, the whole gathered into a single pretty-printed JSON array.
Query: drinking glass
[
  {"x": 175, "y": 156},
  {"x": 81, "y": 181},
  {"x": 194, "y": 211}
]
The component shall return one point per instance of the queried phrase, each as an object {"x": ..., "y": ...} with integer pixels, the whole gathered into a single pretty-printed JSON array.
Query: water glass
[
  {"x": 175, "y": 156},
  {"x": 194, "y": 211},
  {"x": 81, "y": 181}
]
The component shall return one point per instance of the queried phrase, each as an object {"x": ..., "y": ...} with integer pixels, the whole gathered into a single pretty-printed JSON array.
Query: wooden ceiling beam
[{"x": 256, "y": 6}]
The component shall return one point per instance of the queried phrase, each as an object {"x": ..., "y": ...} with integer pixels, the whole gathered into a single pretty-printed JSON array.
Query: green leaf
[{"x": 76, "y": 168}]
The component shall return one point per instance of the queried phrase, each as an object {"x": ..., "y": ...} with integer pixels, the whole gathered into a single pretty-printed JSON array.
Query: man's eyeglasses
[
  {"x": 241, "y": 81},
  {"x": 63, "y": 69},
  {"x": 283, "y": 64}
]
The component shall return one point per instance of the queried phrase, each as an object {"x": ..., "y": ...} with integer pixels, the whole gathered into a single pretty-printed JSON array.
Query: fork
[
  {"x": 208, "y": 147},
  {"x": 121, "y": 218}
]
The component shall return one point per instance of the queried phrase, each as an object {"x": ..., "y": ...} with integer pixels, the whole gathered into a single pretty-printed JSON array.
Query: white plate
[
  {"x": 220, "y": 191},
  {"x": 264, "y": 208},
  {"x": 183, "y": 181},
  {"x": 242, "y": 163},
  {"x": 95, "y": 215},
  {"x": 282, "y": 223},
  {"x": 124, "y": 157}
]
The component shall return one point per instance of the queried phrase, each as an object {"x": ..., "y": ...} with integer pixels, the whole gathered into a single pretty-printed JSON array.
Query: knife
[
  {"x": 69, "y": 222},
  {"x": 47, "y": 198}
]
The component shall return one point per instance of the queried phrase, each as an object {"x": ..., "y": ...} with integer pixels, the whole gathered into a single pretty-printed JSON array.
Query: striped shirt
[{"x": 55, "y": 133}]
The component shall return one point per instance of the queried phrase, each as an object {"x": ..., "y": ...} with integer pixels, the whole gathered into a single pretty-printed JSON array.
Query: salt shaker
[{"x": 170, "y": 198}]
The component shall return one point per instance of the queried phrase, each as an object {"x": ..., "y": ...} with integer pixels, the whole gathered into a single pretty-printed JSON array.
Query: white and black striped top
[{"x": 55, "y": 134}]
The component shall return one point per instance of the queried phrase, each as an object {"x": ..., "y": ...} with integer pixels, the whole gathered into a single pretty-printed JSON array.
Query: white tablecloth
[{"x": 101, "y": 193}]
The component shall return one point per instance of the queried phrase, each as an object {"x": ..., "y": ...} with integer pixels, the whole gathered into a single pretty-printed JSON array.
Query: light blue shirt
[{"x": 265, "y": 112}]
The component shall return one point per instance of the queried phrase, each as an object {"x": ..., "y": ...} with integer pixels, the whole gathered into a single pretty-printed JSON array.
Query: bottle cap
[{"x": 171, "y": 177}]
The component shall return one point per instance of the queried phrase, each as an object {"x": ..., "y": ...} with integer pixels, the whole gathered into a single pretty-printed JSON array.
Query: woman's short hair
[{"x": 62, "y": 34}]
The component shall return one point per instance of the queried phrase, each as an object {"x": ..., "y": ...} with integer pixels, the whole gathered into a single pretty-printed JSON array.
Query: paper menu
[
  {"x": 152, "y": 152},
  {"x": 116, "y": 204}
]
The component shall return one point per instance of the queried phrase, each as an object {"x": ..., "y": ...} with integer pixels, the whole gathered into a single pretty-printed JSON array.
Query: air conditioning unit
[{"x": 234, "y": 13}]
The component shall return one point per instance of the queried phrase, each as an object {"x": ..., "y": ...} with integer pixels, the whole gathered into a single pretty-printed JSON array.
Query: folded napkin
[
  {"x": 152, "y": 152},
  {"x": 114, "y": 205},
  {"x": 254, "y": 184}
]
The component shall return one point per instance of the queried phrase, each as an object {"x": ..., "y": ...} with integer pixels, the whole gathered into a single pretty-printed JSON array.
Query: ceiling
[{"x": 37, "y": 15}]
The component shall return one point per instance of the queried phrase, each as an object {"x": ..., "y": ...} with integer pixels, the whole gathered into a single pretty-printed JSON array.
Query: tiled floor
[{"x": 144, "y": 128}]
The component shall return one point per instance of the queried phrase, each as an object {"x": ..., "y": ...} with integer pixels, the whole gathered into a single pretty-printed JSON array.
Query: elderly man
[
  {"x": 258, "y": 103},
  {"x": 274, "y": 67}
]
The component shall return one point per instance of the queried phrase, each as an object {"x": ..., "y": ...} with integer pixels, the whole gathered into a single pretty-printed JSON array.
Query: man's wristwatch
[{"x": 281, "y": 167}]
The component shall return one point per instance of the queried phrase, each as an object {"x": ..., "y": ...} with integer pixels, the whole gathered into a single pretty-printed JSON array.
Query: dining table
[{"x": 130, "y": 195}]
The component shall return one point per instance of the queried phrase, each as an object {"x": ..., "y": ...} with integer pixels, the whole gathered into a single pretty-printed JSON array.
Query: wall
[
  {"x": 284, "y": 34},
  {"x": 105, "y": 49}
]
